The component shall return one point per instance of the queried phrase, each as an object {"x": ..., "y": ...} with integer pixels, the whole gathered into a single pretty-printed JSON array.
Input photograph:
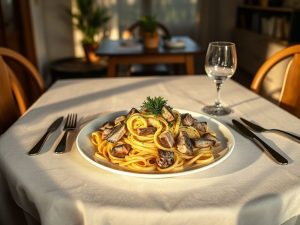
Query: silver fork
[
  {"x": 258, "y": 128},
  {"x": 69, "y": 125}
]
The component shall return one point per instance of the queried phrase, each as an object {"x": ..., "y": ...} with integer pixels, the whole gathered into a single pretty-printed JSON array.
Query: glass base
[{"x": 216, "y": 111}]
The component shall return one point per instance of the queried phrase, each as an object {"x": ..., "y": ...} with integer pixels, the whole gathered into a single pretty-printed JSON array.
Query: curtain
[
  {"x": 124, "y": 13},
  {"x": 180, "y": 17}
]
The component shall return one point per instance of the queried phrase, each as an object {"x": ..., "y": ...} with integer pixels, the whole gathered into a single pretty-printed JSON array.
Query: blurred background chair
[
  {"x": 135, "y": 32},
  {"x": 14, "y": 99},
  {"x": 289, "y": 97}
]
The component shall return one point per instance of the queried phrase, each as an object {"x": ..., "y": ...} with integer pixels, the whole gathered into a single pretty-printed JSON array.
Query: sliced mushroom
[
  {"x": 165, "y": 158},
  {"x": 108, "y": 125},
  {"x": 120, "y": 119},
  {"x": 117, "y": 133},
  {"x": 105, "y": 133},
  {"x": 191, "y": 131},
  {"x": 203, "y": 142},
  {"x": 146, "y": 131},
  {"x": 166, "y": 139},
  {"x": 187, "y": 119},
  {"x": 132, "y": 111},
  {"x": 201, "y": 127},
  {"x": 211, "y": 137},
  {"x": 167, "y": 113},
  {"x": 184, "y": 144},
  {"x": 121, "y": 151}
]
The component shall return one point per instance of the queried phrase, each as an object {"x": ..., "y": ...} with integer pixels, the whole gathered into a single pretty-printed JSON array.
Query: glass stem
[{"x": 219, "y": 84}]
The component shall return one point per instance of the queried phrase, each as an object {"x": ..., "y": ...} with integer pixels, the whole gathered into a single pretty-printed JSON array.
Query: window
[{"x": 181, "y": 17}]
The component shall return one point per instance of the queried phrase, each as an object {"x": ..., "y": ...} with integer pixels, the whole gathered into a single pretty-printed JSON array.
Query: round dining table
[{"x": 66, "y": 189}]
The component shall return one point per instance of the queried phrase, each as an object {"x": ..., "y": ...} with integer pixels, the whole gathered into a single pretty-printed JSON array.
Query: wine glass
[{"x": 220, "y": 64}]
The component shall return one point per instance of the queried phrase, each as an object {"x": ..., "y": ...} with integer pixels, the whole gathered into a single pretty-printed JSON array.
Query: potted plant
[
  {"x": 148, "y": 25},
  {"x": 90, "y": 20}
]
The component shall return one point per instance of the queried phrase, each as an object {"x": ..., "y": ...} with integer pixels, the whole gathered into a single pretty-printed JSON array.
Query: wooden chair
[
  {"x": 156, "y": 69},
  {"x": 13, "y": 98},
  {"x": 290, "y": 92}
]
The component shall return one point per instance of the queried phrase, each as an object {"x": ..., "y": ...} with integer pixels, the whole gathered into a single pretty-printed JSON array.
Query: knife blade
[
  {"x": 275, "y": 156},
  {"x": 38, "y": 146},
  {"x": 253, "y": 126}
]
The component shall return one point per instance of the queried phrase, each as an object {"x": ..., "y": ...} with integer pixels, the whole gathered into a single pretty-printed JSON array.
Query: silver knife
[
  {"x": 265, "y": 147},
  {"x": 257, "y": 128},
  {"x": 38, "y": 146}
]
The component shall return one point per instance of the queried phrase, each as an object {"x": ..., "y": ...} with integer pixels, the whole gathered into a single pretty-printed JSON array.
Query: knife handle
[
  {"x": 61, "y": 147},
  {"x": 271, "y": 152},
  {"x": 38, "y": 146},
  {"x": 287, "y": 134}
]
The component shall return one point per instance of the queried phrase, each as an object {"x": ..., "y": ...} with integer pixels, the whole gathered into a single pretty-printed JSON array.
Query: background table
[
  {"x": 77, "y": 68},
  {"x": 119, "y": 54},
  {"x": 247, "y": 188}
]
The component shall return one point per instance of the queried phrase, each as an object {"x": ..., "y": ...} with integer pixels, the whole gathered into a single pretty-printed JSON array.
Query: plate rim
[{"x": 155, "y": 175}]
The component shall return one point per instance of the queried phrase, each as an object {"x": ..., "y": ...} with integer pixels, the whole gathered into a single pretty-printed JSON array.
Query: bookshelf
[
  {"x": 260, "y": 32},
  {"x": 278, "y": 23}
]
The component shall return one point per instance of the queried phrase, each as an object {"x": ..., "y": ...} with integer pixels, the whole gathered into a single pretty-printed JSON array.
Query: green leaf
[
  {"x": 148, "y": 24},
  {"x": 154, "y": 105},
  {"x": 90, "y": 19}
]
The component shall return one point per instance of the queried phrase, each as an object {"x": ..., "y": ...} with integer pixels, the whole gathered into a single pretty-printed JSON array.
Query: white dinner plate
[{"x": 87, "y": 149}]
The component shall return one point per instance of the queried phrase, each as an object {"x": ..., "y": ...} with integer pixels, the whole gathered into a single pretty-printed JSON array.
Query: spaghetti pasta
[{"x": 151, "y": 143}]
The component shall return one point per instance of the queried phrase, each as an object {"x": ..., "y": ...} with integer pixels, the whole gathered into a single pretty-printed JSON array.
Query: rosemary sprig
[{"x": 154, "y": 105}]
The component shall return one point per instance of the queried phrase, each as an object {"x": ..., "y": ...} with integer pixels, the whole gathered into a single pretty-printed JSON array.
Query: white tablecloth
[{"x": 247, "y": 188}]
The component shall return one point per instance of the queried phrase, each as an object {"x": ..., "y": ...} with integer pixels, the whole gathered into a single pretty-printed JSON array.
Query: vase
[
  {"x": 90, "y": 52},
  {"x": 151, "y": 40},
  {"x": 264, "y": 3}
]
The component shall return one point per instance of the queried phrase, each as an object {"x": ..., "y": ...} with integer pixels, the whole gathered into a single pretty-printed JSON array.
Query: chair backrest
[
  {"x": 290, "y": 92},
  {"x": 135, "y": 27},
  {"x": 13, "y": 101}
]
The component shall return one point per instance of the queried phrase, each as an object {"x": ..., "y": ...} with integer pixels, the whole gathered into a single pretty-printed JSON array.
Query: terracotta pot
[
  {"x": 264, "y": 3},
  {"x": 151, "y": 40},
  {"x": 89, "y": 51}
]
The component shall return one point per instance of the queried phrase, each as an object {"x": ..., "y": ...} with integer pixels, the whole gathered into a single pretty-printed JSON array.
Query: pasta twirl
[{"x": 151, "y": 143}]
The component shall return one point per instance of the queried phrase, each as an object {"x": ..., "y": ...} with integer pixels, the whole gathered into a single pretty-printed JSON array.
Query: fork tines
[{"x": 71, "y": 121}]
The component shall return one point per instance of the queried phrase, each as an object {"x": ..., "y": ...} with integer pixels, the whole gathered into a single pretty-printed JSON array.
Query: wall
[
  {"x": 217, "y": 20},
  {"x": 227, "y": 17},
  {"x": 36, "y": 9},
  {"x": 53, "y": 33}
]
